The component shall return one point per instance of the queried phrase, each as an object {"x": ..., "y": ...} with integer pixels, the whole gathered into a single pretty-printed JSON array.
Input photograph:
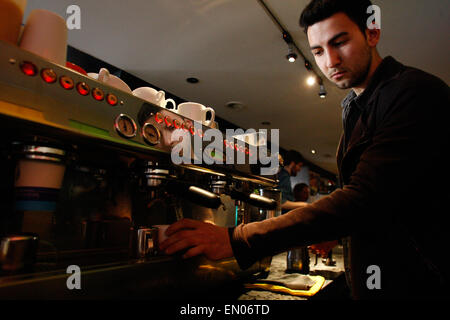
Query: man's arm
[
  {"x": 290, "y": 205},
  {"x": 414, "y": 121},
  {"x": 388, "y": 159}
]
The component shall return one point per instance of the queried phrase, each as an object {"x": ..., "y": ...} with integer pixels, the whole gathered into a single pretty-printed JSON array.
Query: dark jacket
[
  {"x": 393, "y": 206},
  {"x": 285, "y": 186}
]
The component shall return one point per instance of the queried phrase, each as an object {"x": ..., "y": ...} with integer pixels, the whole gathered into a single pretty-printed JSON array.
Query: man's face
[
  {"x": 303, "y": 195},
  {"x": 296, "y": 168},
  {"x": 340, "y": 50}
]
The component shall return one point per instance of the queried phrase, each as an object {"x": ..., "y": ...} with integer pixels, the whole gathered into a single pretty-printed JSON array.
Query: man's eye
[
  {"x": 339, "y": 43},
  {"x": 317, "y": 53}
]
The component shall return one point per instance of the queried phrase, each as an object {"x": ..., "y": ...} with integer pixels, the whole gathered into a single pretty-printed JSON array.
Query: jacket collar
[{"x": 384, "y": 72}]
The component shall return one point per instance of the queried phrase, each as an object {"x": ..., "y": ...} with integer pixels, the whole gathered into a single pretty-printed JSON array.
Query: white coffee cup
[
  {"x": 154, "y": 96},
  {"x": 110, "y": 79},
  {"x": 196, "y": 112},
  {"x": 45, "y": 34}
]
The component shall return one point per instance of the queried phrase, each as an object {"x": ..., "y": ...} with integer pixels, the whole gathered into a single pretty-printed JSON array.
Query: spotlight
[
  {"x": 291, "y": 56},
  {"x": 322, "y": 92},
  {"x": 311, "y": 81}
]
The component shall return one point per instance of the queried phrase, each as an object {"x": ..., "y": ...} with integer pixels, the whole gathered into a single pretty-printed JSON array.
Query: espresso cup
[
  {"x": 196, "y": 112},
  {"x": 163, "y": 102},
  {"x": 11, "y": 15},
  {"x": 161, "y": 234},
  {"x": 149, "y": 94},
  {"x": 45, "y": 34},
  {"x": 154, "y": 96},
  {"x": 109, "y": 79}
]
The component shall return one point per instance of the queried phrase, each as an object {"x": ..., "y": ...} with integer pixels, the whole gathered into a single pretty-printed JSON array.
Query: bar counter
[{"x": 333, "y": 288}]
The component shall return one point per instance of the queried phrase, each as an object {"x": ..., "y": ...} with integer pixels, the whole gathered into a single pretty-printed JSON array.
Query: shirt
[{"x": 285, "y": 186}]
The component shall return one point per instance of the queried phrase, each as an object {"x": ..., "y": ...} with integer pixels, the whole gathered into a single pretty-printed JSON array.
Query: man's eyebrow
[{"x": 332, "y": 39}]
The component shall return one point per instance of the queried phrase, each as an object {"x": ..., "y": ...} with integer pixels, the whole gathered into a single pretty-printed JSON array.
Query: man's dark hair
[
  {"x": 299, "y": 187},
  {"x": 318, "y": 10},
  {"x": 292, "y": 156}
]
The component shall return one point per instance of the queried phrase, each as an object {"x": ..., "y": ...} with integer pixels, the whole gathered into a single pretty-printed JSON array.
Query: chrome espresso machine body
[{"x": 87, "y": 175}]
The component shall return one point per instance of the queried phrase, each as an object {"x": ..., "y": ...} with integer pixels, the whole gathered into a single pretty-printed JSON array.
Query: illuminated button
[
  {"x": 112, "y": 99},
  {"x": 246, "y": 150},
  {"x": 192, "y": 130},
  {"x": 28, "y": 68},
  {"x": 83, "y": 88},
  {"x": 159, "y": 118},
  {"x": 168, "y": 121},
  {"x": 176, "y": 124},
  {"x": 98, "y": 94},
  {"x": 49, "y": 75},
  {"x": 66, "y": 82}
]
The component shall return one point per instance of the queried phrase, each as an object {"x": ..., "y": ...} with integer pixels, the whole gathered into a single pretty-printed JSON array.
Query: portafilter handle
[
  {"x": 195, "y": 194},
  {"x": 254, "y": 199}
]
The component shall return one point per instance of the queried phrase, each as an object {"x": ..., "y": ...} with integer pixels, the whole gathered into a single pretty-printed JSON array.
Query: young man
[
  {"x": 292, "y": 164},
  {"x": 301, "y": 192},
  {"x": 395, "y": 131}
]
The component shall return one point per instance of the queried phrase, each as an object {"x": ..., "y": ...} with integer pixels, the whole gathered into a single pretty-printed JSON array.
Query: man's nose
[{"x": 333, "y": 59}]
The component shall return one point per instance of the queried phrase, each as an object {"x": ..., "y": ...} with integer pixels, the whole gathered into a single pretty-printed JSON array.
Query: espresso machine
[{"x": 87, "y": 176}]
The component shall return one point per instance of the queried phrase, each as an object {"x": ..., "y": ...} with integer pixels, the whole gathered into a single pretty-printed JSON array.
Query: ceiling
[{"x": 238, "y": 54}]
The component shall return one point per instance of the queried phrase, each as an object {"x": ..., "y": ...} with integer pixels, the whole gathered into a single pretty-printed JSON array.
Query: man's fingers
[
  {"x": 194, "y": 251},
  {"x": 182, "y": 224},
  {"x": 172, "y": 239}
]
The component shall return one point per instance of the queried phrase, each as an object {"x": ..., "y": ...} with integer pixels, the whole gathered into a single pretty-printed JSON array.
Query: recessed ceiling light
[
  {"x": 192, "y": 80},
  {"x": 235, "y": 105},
  {"x": 313, "y": 151}
]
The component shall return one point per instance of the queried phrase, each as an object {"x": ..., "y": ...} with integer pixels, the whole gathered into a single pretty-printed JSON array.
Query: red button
[
  {"x": 159, "y": 118},
  {"x": 168, "y": 121},
  {"x": 83, "y": 88},
  {"x": 176, "y": 124},
  {"x": 28, "y": 68},
  {"x": 49, "y": 75},
  {"x": 112, "y": 99},
  {"x": 66, "y": 82},
  {"x": 98, "y": 94}
]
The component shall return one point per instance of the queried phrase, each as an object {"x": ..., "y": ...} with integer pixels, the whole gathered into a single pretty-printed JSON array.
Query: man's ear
[{"x": 373, "y": 36}]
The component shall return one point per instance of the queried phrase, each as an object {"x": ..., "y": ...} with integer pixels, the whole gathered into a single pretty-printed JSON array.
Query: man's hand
[
  {"x": 323, "y": 248},
  {"x": 199, "y": 238}
]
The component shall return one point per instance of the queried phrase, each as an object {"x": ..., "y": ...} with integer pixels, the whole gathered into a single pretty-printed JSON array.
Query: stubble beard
[{"x": 361, "y": 74}]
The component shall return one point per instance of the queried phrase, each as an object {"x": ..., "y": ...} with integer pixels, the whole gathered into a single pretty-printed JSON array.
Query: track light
[
  {"x": 291, "y": 56},
  {"x": 322, "y": 91},
  {"x": 308, "y": 65}
]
